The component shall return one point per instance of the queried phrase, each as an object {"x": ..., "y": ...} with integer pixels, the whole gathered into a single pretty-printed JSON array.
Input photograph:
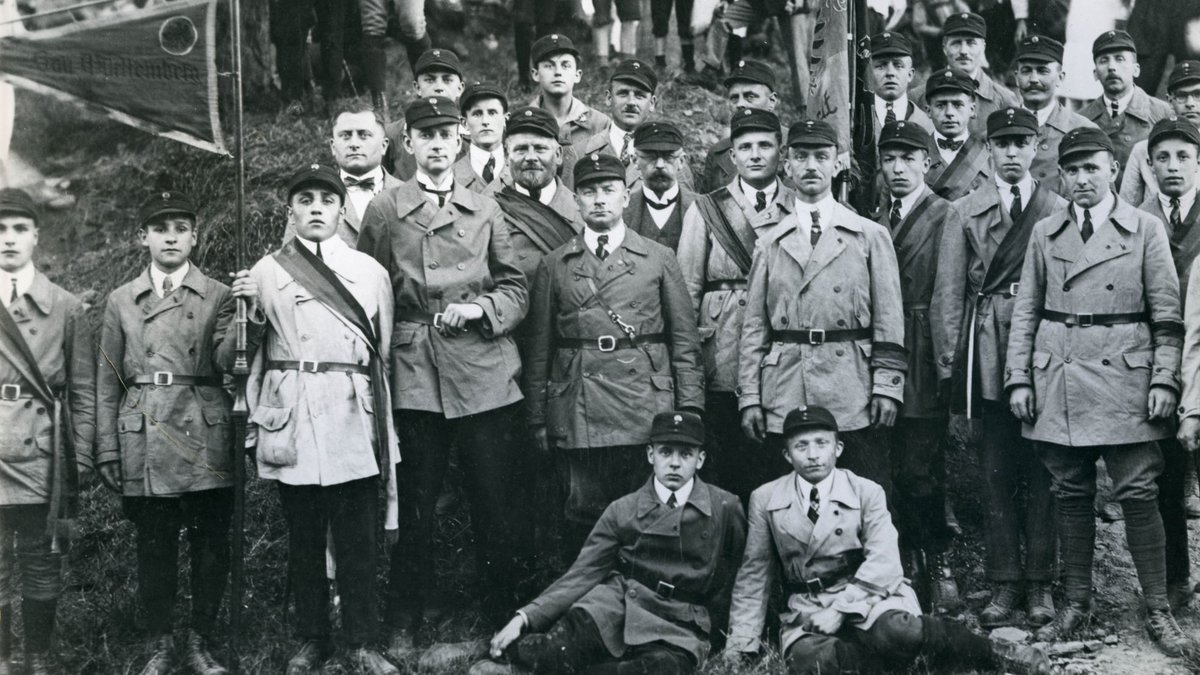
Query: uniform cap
[
  {"x": 946, "y": 80},
  {"x": 478, "y": 90},
  {"x": 316, "y": 174},
  {"x": 549, "y": 45},
  {"x": 677, "y": 426},
  {"x": 531, "y": 120},
  {"x": 657, "y": 136},
  {"x": 430, "y": 112},
  {"x": 754, "y": 72},
  {"x": 1012, "y": 122},
  {"x": 636, "y": 72},
  {"x": 438, "y": 59},
  {"x": 598, "y": 166},
  {"x": 1083, "y": 140},
  {"x": 965, "y": 23},
  {"x": 1174, "y": 127},
  {"x": 904, "y": 134},
  {"x": 888, "y": 43},
  {"x": 752, "y": 119},
  {"x": 811, "y": 133},
  {"x": 1113, "y": 41},
  {"x": 1184, "y": 72},
  {"x": 18, "y": 202},
  {"x": 809, "y": 417},
  {"x": 1040, "y": 49},
  {"x": 162, "y": 203}
]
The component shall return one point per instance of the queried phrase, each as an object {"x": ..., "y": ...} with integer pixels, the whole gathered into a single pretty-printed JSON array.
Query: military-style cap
[
  {"x": 809, "y": 417},
  {"x": 1113, "y": 41},
  {"x": 1174, "y": 127},
  {"x": 162, "y": 203},
  {"x": 811, "y": 134},
  {"x": 888, "y": 43},
  {"x": 1012, "y": 122},
  {"x": 965, "y": 23},
  {"x": 438, "y": 59},
  {"x": 597, "y": 166},
  {"x": 753, "y": 119},
  {"x": 1184, "y": 72},
  {"x": 1040, "y": 49},
  {"x": 635, "y": 72},
  {"x": 1083, "y": 140},
  {"x": 316, "y": 174},
  {"x": 531, "y": 120},
  {"x": 430, "y": 112},
  {"x": 754, "y": 72},
  {"x": 17, "y": 202},
  {"x": 478, "y": 90},
  {"x": 678, "y": 426},
  {"x": 946, "y": 80},
  {"x": 549, "y": 45},
  {"x": 904, "y": 134},
  {"x": 657, "y": 137}
]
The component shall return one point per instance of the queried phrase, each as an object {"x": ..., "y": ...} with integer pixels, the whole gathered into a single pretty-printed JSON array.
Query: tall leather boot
[
  {"x": 413, "y": 51},
  {"x": 943, "y": 589}
]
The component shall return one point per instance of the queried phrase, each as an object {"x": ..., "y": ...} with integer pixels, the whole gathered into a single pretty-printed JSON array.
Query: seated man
[
  {"x": 648, "y": 586},
  {"x": 848, "y": 607}
]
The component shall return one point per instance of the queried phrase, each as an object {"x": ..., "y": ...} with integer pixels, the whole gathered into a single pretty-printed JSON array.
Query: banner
[
  {"x": 153, "y": 69},
  {"x": 829, "y": 66}
]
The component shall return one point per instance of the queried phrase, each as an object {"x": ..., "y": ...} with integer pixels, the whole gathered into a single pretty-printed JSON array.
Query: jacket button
[
  {"x": 741, "y": 302},
  {"x": 187, "y": 420},
  {"x": 191, "y": 315},
  {"x": 28, "y": 404},
  {"x": 1109, "y": 287},
  {"x": 1066, "y": 288},
  {"x": 433, "y": 265},
  {"x": 783, "y": 320},
  {"x": 149, "y": 352},
  {"x": 28, "y": 441},
  {"x": 304, "y": 338},
  {"x": 841, "y": 322},
  {"x": 896, "y": 380},
  {"x": 33, "y": 331},
  {"x": 837, "y": 289},
  {"x": 1045, "y": 146},
  {"x": 41, "y": 411},
  {"x": 838, "y": 531},
  {"x": 633, "y": 592},
  {"x": 840, "y": 352},
  {"x": 462, "y": 233},
  {"x": 430, "y": 233},
  {"x": 1105, "y": 362},
  {"x": 461, "y": 266},
  {"x": 808, "y": 564},
  {"x": 465, "y": 296},
  {"x": 191, "y": 350},
  {"x": 1066, "y": 359}
]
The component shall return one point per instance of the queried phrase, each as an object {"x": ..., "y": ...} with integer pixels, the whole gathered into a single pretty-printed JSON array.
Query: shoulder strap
[
  {"x": 722, "y": 229},
  {"x": 1010, "y": 254},
  {"x": 12, "y": 335},
  {"x": 913, "y": 217}
]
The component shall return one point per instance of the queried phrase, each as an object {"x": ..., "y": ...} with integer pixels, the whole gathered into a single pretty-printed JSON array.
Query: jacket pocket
[
  {"x": 131, "y": 423},
  {"x": 404, "y": 337},
  {"x": 275, "y": 446},
  {"x": 1139, "y": 359},
  {"x": 664, "y": 392},
  {"x": 1041, "y": 360},
  {"x": 219, "y": 426}
]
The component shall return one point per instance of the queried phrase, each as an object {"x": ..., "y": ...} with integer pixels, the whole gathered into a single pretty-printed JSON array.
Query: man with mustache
[
  {"x": 1093, "y": 372},
  {"x": 1039, "y": 73},
  {"x": 454, "y": 363},
  {"x": 979, "y": 268},
  {"x": 631, "y": 99},
  {"x": 751, "y": 84},
  {"x": 891, "y": 74},
  {"x": 964, "y": 41},
  {"x": 659, "y": 205},
  {"x": 1138, "y": 183},
  {"x": 484, "y": 109},
  {"x": 1124, "y": 111},
  {"x": 824, "y": 323},
  {"x": 960, "y": 161},
  {"x": 715, "y": 250},
  {"x": 613, "y": 342}
]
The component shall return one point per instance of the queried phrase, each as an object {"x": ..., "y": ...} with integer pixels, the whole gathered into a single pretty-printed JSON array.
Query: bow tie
[
  {"x": 947, "y": 144},
  {"x": 367, "y": 183},
  {"x": 659, "y": 206}
]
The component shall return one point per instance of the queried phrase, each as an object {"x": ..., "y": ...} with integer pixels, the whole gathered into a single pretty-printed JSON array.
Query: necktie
[
  {"x": 947, "y": 144},
  {"x": 535, "y": 193},
  {"x": 367, "y": 184},
  {"x": 15, "y": 295},
  {"x": 168, "y": 286},
  {"x": 894, "y": 218},
  {"x": 1176, "y": 221},
  {"x": 760, "y": 200},
  {"x": 1014, "y": 211},
  {"x": 441, "y": 194},
  {"x": 672, "y": 502},
  {"x": 626, "y": 157},
  {"x": 1087, "y": 230},
  {"x": 489, "y": 170},
  {"x": 814, "y": 502},
  {"x": 815, "y": 233},
  {"x": 891, "y": 114},
  {"x": 601, "y": 243},
  {"x": 1116, "y": 110},
  {"x": 319, "y": 255}
]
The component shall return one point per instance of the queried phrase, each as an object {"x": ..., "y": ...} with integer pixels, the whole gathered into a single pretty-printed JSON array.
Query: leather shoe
[
  {"x": 307, "y": 660},
  {"x": 1012, "y": 657},
  {"x": 400, "y": 646},
  {"x": 160, "y": 660},
  {"x": 372, "y": 662},
  {"x": 999, "y": 611},
  {"x": 1039, "y": 604},
  {"x": 1167, "y": 634},
  {"x": 1065, "y": 624},
  {"x": 1179, "y": 594},
  {"x": 198, "y": 657},
  {"x": 943, "y": 589}
]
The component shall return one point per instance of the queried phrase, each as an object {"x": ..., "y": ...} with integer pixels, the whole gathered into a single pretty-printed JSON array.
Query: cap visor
[
  {"x": 744, "y": 78},
  {"x": 439, "y": 68},
  {"x": 629, "y": 79},
  {"x": 966, "y": 31},
  {"x": 14, "y": 210},
  {"x": 555, "y": 52},
  {"x": 890, "y": 51},
  {"x": 514, "y": 129},
  {"x": 1187, "y": 79},
  {"x": 903, "y": 143},
  {"x": 754, "y": 127},
  {"x": 598, "y": 176},
  {"x": 1083, "y": 150},
  {"x": 434, "y": 122},
  {"x": 657, "y": 146},
  {"x": 1005, "y": 132},
  {"x": 1037, "y": 58},
  {"x": 162, "y": 212},
  {"x": 807, "y": 426},
  {"x": 812, "y": 143},
  {"x": 317, "y": 182},
  {"x": 674, "y": 437}
]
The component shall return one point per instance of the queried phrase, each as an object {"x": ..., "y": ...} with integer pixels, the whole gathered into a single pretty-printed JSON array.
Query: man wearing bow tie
[
  {"x": 961, "y": 162},
  {"x": 657, "y": 208},
  {"x": 358, "y": 144}
]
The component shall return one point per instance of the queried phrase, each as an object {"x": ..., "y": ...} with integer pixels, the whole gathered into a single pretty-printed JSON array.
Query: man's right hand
[
  {"x": 1189, "y": 433},
  {"x": 541, "y": 437},
  {"x": 110, "y": 475},
  {"x": 1021, "y": 403},
  {"x": 507, "y": 635},
  {"x": 754, "y": 425}
]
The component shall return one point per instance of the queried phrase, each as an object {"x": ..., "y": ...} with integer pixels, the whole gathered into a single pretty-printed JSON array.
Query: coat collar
[
  {"x": 980, "y": 201},
  {"x": 194, "y": 279},
  {"x": 633, "y": 243},
  {"x": 1124, "y": 215},
  {"x": 1139, "y": 105},
  {"x": 701, "y": 498},
  {"x": 41, "y": 293},
  {"x": 1060, "y": 119}
]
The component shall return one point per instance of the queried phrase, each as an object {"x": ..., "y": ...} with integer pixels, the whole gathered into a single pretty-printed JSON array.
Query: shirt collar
[
  {"x": 1186, "y": 201},
  {"x": 824, "y": 207},
  {"x": 681, "y": 495},
  {"x": 671, "y": 193},
  {"x": 447, "y": 183},
  {"x": 1043, "y": 115},
  {"x": 1122, "y": 103},
  {"x": 616, "y": 138},
  {"x": 157, "y": 276},
  {"x": 329, "y": 247},
  {"x": 1099, "y": 212},
  {"x": 545, "y": 196},
  {"x": 908, "y": 201},
  {"x": 804, "y": 487},
  {"x": 480, "y": 157},
  {"x": 751, "y": 192},
  {"x": 961, "y": 137},
  {"x": 899, "y": 107},
  {"x": 24, "y": 277},
  {"x": 615, "y": 237},
  {"x": 376, "y": 174}
]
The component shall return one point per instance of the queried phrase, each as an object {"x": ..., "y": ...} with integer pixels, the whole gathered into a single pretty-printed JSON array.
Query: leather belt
[
  {"x": 1085, "y": 320},
  {"x": 848, "y": 567},
  {"x": 608, "y": 343},
  {"x": 1007, "y": 292},
  {"x": 319, "y": 367},
  {"x": 13, "y": 392},
  {"x": 816, "y": 336},
  {"x": 661, "y": 588},
  {"x": 419, "y": 316},
  {"x": 725, "y": 285},
  {"x": 162, "y": 378}
]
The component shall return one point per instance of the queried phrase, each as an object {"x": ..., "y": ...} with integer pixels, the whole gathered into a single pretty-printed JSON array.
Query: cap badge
[
  {"x": 554, "y": 37},
  {"x": 964, "y": 16},
  {"x": 1034, "y": 39},
  {"x": 900, "y": 125},
  {"x": 887, "y": 36},
  {"x": 741, "y": 64},
  {"x": 437, "y": 53},
  {"x": 433, "y": 101},
  {"x": 808, "y": 124},
  {"x": 315, "y": 167},
  {"x": 679, "y": 419},
  {"x": 166, "y": 196},
  {"x": 529, "y": 113},
  {"x": 595, "y": 157},
  {"x": 635, "y": 65},
  {"x": 803, "y": 408},
  {"x": 949, "y": 75},
  {"x": 1112, "y": 33},
  {"x": 745, "y": 112}
]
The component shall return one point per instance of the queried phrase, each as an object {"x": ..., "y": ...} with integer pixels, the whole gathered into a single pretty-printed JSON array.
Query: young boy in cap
[
  {"x": 714, "y": 255},
  {"x": 1138, "y": 183},
  {"x": 163, "y": 425},
  {"x": 318, "y": 399},
  {"x": 659, "y": 203},
  {"x": 915, "y": 216},
  {"x": 484, "y": 108},
  {"x": 960, "y": 163},
  {"x": 848, "y": 608},
  {"x": 1124, "y": 111},
  {"x": 556, "y": 71},
  {"x": 649, "y": 589},
  {"x": 436, "y": 73},
  {"x": 459, "y": 294},
  {"x": 979, "y": 266},
  {"x": 1070, "y": 334},
  {"x": 891, "y": 74},
  {"x": 1039, "y": 73},
  {"x": 47, "y": 417},
  {"x": 751, "y": 84}
]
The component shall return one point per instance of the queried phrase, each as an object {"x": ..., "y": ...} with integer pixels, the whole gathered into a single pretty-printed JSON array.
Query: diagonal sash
[
  {"x": 955, "y": 168},
  {"x": 317, "y": 278},
  {"x": 722, "y": 230},
  {"x": 914, "y": 217},
  {"x": 545, "y": 226}
]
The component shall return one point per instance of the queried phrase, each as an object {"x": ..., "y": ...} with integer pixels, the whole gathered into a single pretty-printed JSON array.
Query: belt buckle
[
  {"x": 1013, "y": 288},
  {"x": 606, "y": 343},
  {"x": 437, "y": 320},
  {"x": 814, "y": 586},
  {"x": 816, "y": 336},
  {"x": 665, "y": 590},
  {"x": 163, "y": 379},
  {"x": 1085, "y": 320},
  {"x": 10, "y": 392},
  {"x": 309, "y": 366}
]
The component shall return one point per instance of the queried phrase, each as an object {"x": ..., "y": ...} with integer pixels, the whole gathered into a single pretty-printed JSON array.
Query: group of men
[{"x": 552, "y": 277}]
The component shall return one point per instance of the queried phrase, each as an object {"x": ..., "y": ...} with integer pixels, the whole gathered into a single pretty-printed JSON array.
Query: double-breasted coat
[
  {"x": 458, "y": 253},
  {"x": 589, "y": 398},
  {"x": 1185, "y": 240},
  {"x": 1091, "y": 383},
  {"x": 51, "y": 321},
  {"x": 1045, "y": 162},
  {"x": 970, "y": 168},
  {"x": 703, "y": 260},
  {"x": 849, "y": 281},
  {"x": 1131, "y": 126},
  {"x": 169, "y": 439},
  {"x": 783, "y": 544},
  {"x": 696, "y": 548},
  {"x": 990, "y": 96}
]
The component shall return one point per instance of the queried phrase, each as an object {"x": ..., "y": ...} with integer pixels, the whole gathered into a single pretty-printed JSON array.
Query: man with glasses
[{"x": 656, "y": 211}]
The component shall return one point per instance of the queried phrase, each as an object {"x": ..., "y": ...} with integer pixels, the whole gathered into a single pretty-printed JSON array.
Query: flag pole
[{"x": 852, "y": 64}]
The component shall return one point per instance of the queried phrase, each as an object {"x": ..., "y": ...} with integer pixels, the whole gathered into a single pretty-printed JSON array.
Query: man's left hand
[
  {"x": 1161, "y": 403},
  {"x": 827, "y": 621},
  {"x": 883, "y": 411},
  {"x": 456, "y": 316}
]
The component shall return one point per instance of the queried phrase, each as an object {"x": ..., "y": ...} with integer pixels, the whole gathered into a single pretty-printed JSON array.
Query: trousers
[{"x": 574, "y": 645}]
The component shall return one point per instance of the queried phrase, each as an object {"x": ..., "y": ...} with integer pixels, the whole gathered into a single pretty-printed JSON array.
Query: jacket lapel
[
  {"x": 784, "y": 507},
  {"x": 829, "y": 246},
  {"x": 1106, "y": 242}
]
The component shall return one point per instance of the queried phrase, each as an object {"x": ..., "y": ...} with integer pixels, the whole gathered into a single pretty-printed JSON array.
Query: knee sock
[
  {"x": 39, "y": 624},
  {"x": 1145, "y": 535},
  {"x": 523, "y": 41},
  {"x": 1077, "y": 537}
]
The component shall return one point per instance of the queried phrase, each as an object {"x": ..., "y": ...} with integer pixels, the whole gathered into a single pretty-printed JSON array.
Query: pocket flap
[
  {"x": 215, "y": 416},
  {"x": 1041, "y": 360},
  {"x": 271, "y": 419},
  {"x": 554, "y": 389},
  {"x": 706, "y": 332},
  {"x": 404, "y": 336},
  {"x": 865, "y": 348},
  {"x": 771, "y": 359},
  {"x": 1139, "y": 359},
  {"x": 662, "y": 382},
  {"x": 131, "y": 422}
]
